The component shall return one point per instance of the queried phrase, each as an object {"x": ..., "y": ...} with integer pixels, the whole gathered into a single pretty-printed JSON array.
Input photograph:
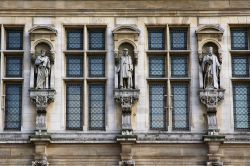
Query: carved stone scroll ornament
[{"x": 42, "y": 162}]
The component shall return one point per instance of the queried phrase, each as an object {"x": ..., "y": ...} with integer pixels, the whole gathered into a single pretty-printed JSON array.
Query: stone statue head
[
  {"x": 43, "y": 52},
  {"x": 125, "y": 51},
  {"x": 210, "y": 50}
]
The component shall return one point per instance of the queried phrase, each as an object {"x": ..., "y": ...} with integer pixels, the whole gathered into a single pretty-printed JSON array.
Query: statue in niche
[
  {"x": 42, "y": 69},
  {"x": 210, "y": 70},
  {"x": 126, "y": 70}
]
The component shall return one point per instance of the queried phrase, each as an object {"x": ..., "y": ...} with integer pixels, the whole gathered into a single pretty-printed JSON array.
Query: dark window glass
[
  {"x": 74, "y": 66},
  {"x": 180, "y": 106},
  {"x": 96, "y": 66},
  {"x": 14, "y": 66},
  {"x": 75, "y": 39},
  {"x": 14, "y": 39},
  {"x": 156, "y": 39},
  {"x": 240, "y": 66},
  {"x": 157, "y": 103},
  {"x": 97, "y": 107},
  {"x": 239, "y": 39},
  {"x": 179, "y": 66},
  {"x": 178, "y": 39},
  {"x": 241, "y": 96},
  {"x": 74, "y": 106},
  {"x": 97, "y": 39},
  {"x": 156, "y": 66},
  {"x": 13, "y": 107}
]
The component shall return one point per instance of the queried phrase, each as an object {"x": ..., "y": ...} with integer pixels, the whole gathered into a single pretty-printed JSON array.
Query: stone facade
[{"x": 140, "y": 145}]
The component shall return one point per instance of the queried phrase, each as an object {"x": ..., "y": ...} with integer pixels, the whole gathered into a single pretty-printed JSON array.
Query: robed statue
[
  {"x": 42, "y": 69},
  {"x": 125, "y": 68},
  {"x": 210, "y": 70}
]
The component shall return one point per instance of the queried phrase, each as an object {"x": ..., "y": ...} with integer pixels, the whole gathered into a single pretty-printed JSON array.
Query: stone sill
[
  {"x": 239, "y": 51},
  {"x": 73, "y": 51},
  {"x": 73, "y": 79},
  {"x": 241, "y": 79},
  {"x": 13, "y": 79},
  {"x": 16, "y": 52},
  {"x": 96, "y": 79}
]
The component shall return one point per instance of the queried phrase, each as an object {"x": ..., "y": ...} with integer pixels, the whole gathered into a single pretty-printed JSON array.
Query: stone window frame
[
  {"x": 85, "y": 80},
  {"x": 237, "y": 80},
  {"x": 72, "y": 29},
  {"x": 9, "y": 83},
  {"x": 169, "y": 79},
  {"x": 237, "y": 83},
  {"x": 14, "y": 28},
  {"x": 103, "y": 128},
  {"x": 81, "y": 107},
  {"x": 7, "y": 65},
  {"x": 101, "y": 29},
  {"x": 242, "y": 28}
]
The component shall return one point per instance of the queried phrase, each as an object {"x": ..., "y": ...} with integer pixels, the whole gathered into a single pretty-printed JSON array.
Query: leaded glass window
[
  {"x": 14, "y": 66},
  {"x": 240, "y": 66},
  {"x": 156, "y": 39},
  {"x": 156, "y": 66},
  {"x": 179, "y": 66},
  {"x": 239, "y": 39},
  {"x": 97, "y": 66},
  {"x": 96, "y": 39},
  {"x": 97, "y": 107},
  {"x": 74, "y": 106},
  {"x": 75, "y": 39},
  {"x": 180, "y": 107},
  {"x": 74, "y": 66},
  {"x": 178, "y": 37},
  {"x": 157, "y": 102},
  {"x": 14, "y": 39},
  {"x": 241, "y": 96},
  {"x": 13, "y": 106}
]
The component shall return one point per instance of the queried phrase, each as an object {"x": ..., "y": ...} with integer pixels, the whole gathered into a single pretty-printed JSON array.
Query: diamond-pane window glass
[
  {"x": 179, "y": 66},
  {"x": 241, "y": 96},
  {"x": 96, "y": 107},
  {"x": 74, "y": 66},
  {"x": 240, "y": 66},
  {"x": 156, "y": 39},
  {"x": 14, "y": 66},
  {"x": 97, "y": 39},
  {"x": 75, "y": 39},
  {"x": 96, "y": 66},
  {"x": 74, "y": 106},
  {"x": 178, "y": 39},
  {"x": 180, "y": 107},
  {"x": 239, "y": 39},
  {"x": 14, "y": 39},
  {"x": 156, "y": 66},
  {"x": 13, "y": 106},
  {"x": 157, "y": 102}
]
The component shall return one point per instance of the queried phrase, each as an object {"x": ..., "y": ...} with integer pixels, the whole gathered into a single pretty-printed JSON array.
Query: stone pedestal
[
  {"x": 41, "y": 99},
  {"x": 126, "y": 98},
  {"x": 211, "y": 98},
  {"x": 214, "y": 142}
]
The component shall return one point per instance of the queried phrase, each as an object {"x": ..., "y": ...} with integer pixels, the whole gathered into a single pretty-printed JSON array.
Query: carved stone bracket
[
  {"x": 40, "y": 163},
  {"x": 41, "y": 99},
  {"x": 211, "y": 98},
  {"x": 126, "y": 98},
  {"x": 214, "y": 156}
]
